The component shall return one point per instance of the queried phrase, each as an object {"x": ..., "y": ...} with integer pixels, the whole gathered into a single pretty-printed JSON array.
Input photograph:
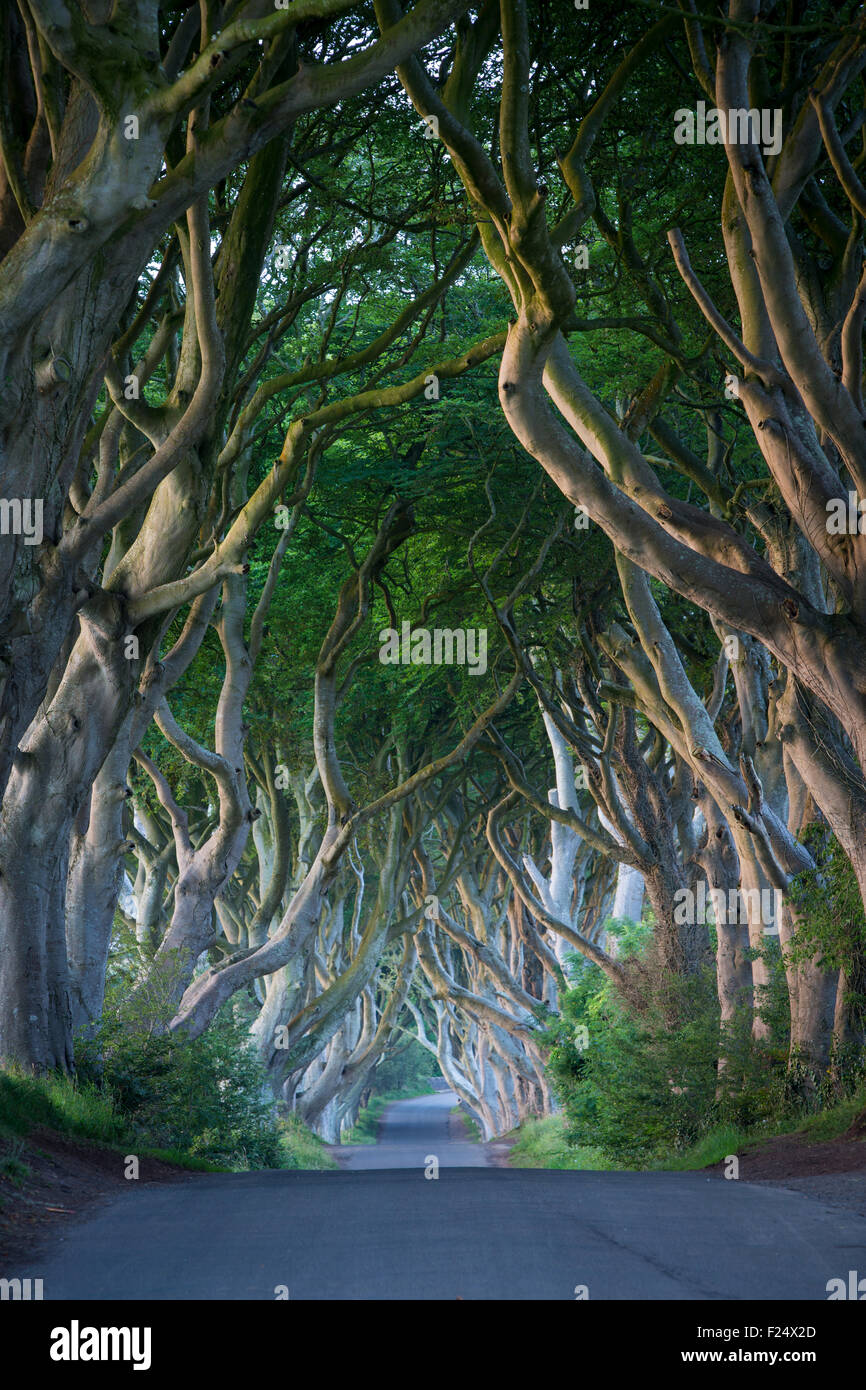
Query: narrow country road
[
  {"x": 476, "y": 1232},
  {"x": 410, "y": 1132}
]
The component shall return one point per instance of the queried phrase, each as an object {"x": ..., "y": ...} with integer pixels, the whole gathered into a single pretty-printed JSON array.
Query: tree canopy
[{"x": 433, "y": 604}]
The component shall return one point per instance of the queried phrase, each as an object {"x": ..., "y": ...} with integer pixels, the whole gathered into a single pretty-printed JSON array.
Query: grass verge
[
  {"x": 544, "y": 1144},
  {"x": 303, "y": 1148},
  {"x": 473, "y": 1131},
  {"x": 81, "y": 1112},
  {"x": 822, "y": 1126}
]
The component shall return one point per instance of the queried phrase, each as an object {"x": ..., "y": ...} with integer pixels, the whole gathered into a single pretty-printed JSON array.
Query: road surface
[
  {"x": 410, "y": 1132},
  {"x": 473, "y": 1233}
]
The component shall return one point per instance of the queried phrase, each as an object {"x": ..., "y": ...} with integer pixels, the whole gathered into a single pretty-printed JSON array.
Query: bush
[
  {"x": 546, "y": 1144},
  {"x": 647, "y": 1085},
  {"x": 206, "y": 1097}
]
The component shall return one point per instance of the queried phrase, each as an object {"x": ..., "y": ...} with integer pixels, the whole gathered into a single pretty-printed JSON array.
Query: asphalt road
[
  {"x": 411, "y": 1132},
  {"x": 473, "y": 1233}
]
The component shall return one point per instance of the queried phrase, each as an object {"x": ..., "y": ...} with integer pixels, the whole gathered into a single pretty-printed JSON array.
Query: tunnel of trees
[{"x": 433, "y": 602}]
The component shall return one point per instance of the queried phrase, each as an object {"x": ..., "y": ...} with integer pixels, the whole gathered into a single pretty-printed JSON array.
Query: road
[
  {"x": 474, "y": 1233},
  {"x": 410, "y": 1132}
]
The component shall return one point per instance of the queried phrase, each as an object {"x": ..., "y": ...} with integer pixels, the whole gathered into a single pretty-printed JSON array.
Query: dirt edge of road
[
  {"x": 832, "y": 1171},
  {"x": 794, "y": 1156},
  {"x": 55, "y": 1178}
]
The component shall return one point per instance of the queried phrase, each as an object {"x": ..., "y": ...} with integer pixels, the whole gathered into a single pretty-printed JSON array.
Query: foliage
[
  {"x": 205, "y": 1097},
  {"x": 85, "y": 1110},
  {"x": 60, "y": 1103},
  {"x": 827, "y": 898},
  {"x": 470, "y": 1125},
  {"x": 713, "y": 1147},
  {"x": 649, "y": 1084},
  {"x": 407, "y": 1069},
  {"x": 832, "y": 1121},
  {"x": 301, "y": 1148},
  {"x": 546, "y": 1143},
  {"x": 363, "y": 219}
]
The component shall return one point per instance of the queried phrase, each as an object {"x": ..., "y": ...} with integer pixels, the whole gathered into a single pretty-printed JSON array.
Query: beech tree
[
  {"x": 106, "y": 173},
  {"x": 805, "y": 423},
  {"x": 312, "y": 342}
]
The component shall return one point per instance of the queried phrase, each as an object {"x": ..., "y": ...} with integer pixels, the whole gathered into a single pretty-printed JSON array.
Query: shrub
[
  {"x": 206, "y": 1096},
  {"x": 654, "y": 1083}
]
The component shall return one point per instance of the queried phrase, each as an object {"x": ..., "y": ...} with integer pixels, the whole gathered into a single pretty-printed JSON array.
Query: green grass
[
  {"x": 713, "y": 1147},
  {"x": 303, "y": 1148},
  {"x": 543, "y": 1144},
  {"x": 80, "y": 1111},
  {"x": 829, "y": 1124},
  {"x": 86, "y": 1113},
  {"x": 816, "y": 1128},
  {"x": 12, "y": 1165},
  {"x": 180, "y": 1158},
  {"x": 58, "y": 1103},
  {"x": 472, "y": 1129},
  {"x": 366, "y": 1127}
]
